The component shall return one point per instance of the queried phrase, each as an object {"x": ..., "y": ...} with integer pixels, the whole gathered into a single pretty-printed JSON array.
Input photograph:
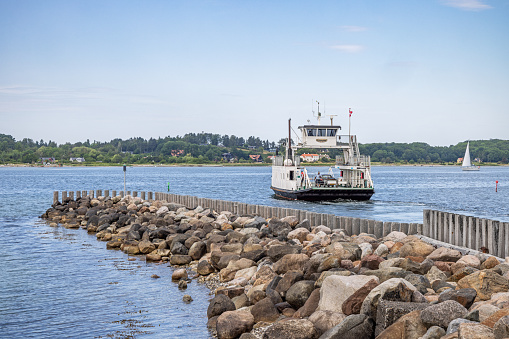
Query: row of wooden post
[
  {"x": 349, "y": 224},
  {"x": 479, "y": 234}
]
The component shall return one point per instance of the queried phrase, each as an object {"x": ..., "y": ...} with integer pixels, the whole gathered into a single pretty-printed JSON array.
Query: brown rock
[
  {"x": 371, "y": 261},
  {"x": 264, "y": 310},
  {"x": 180, "y": 259},
  {"x": 486, "y": 283},
  {"x": 179, "y": 274},
  {"x": 204, "y": 268},
  {"x": 290, "y": 262},
  {"x": 146, "y": 247},
  {"x": 409, "y": 326},
  {"x": 232, "y": 324},
  {"x": 492, "y": 319},
  {"x": 445, "y": 254},
  {"x": 292, "y": 329},
  {"x": 416, "y": 248},
  {"x": 325, "y": 320},
  {"x": 290, "y": 278},
  {"x": 443, "y": 266},
  {"x": 352, "y": 305},
  {"x": 490, "y": 263},
  {"x": 475, "y": 331},
  {"x": 310, "y": 305}
]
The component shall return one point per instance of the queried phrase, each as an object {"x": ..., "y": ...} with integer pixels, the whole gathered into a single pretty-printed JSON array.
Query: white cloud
[
  {"x": 467, "y": 5},
  {"x": 348, "y": 48},
  {"x": 354, "y": 28}
]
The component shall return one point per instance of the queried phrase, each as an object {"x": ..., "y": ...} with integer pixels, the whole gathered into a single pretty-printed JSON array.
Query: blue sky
[{"x": 434, "y": 71}]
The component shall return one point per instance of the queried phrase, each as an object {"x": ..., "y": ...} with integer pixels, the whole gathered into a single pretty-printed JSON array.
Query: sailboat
[{"x": 467, "y": 164}]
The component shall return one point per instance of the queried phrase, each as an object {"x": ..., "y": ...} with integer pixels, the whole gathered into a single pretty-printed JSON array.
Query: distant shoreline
[{"x": 237, "y": 165}]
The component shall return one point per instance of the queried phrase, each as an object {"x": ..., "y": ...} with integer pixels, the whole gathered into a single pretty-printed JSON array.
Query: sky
[{"x": 434, "y": 71}]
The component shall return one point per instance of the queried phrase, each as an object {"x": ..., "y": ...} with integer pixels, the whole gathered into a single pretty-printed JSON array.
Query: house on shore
[
  {"x": 77, "y": 160},
  {"x": 310, "y": 157}
]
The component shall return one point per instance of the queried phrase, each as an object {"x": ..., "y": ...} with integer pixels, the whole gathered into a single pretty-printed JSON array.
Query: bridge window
[
  {"x": 331, "y": 132},
  {"x": 322, "y": 132},
  {"x": 311, "y": 132}
]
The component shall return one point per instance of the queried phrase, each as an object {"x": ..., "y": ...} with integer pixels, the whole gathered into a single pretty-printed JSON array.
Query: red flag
[{"x": 350, "y": 111}]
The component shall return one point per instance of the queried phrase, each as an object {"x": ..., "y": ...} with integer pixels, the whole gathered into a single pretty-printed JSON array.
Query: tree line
[{"x": 202, "y": 148}]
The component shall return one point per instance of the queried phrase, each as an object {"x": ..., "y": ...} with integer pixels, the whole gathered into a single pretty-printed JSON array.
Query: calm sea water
[{"x": 59, "y": 283}]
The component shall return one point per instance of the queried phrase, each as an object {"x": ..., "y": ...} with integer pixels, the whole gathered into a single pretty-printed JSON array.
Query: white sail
[{"x": 466, "y": 158}]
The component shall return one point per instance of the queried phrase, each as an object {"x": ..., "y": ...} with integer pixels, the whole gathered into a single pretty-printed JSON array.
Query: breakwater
[
  {"x": 283, "y": 277},
  {"x": 490, "y": 236}
]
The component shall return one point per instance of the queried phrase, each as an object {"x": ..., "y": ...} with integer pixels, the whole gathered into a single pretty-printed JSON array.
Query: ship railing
[
  {"x": 278, "y": 160},
  {"x": 360, "y": 160}
]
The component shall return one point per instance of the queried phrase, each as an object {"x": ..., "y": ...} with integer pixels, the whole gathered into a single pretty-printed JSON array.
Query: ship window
[
  {"x": 331, "y": 132},
  {"x": 321, "y": 132},
  {"x": 311, "y": 132},
  {"x": 292, "y": 175}
]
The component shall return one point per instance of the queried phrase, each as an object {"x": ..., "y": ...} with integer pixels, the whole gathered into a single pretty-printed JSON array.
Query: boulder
[
  {"x": 470, "y": 260},
  {"x": 310, "y": 305},
  {"x": 299, "y": 234},
  {"x": 354, "y": 326},
  {"x": 179, "y": 259},
  {"x": 352, "y": 305},
  {"x": 408, "y": 326},
  {"x": 435, "y": 274},
  {"x": 204, "y": 268},
  {"x": 489, "y": 263},
  {"x": 445, "y": 254},
  {"x": 442, "y": 314},
  {"x": 395, "y": 289},
  {"x": 464, "y": 296},
  {"x": 231, "y": 324},
  {"x": 264, "y": 310},
  {"x": 455, "y": 324},
  {"x": 419, "y": 281},
  {"x": 416, "y": 248},
  {"x": 336, "y": 289},
  {"x": 197, "y": 250},
  {"x": 146, "y": 247},
  {"x": 290, "y": 262},
  {"x": 290, "y": 278},
  {"x": 325, "y": 320},
  {"x": 181, "y": 273},
  {"x": 218, "y": 305},
  {"x": 298, "y": 293},
  {"x": 475, "y": 331},
  {"x": 493, "y": 318},
  {"x": 388, "y": 313},
  {"x": 292, "y": 329},
  {"x": 371, "y": 261},
  {"x": 326, "y": 274},
  {"x": 486, "y": 283},
  {"x": 501, "y": 327}
]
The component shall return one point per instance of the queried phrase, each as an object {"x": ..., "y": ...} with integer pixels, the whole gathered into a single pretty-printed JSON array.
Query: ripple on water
[{"x": 58, "y": 282}]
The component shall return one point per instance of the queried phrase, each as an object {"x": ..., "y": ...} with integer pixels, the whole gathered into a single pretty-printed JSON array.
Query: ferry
[{"x": 350, "y": 179}]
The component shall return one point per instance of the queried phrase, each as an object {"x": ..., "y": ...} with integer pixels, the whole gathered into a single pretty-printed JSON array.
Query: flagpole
[{"x": 349, "y": 124}]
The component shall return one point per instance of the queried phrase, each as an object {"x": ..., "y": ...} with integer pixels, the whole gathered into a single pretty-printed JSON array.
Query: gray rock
[
  {"x": 390, "y": 311},
  {"x": 218, "y": 305},
  {"x": 354, "y": 326},
  {"x": 299, "y": 292},
  {"x": 419, "y": 281},
  {"x": 464, "y": 296},
  {"x": 434, "y": 332},
  {"x": 292, "y": 329},
  {"x": 442, "y": 314},
  {"x": 197, "y": 250},
  {"x": 264, "y": 310},
  {"x": 501, "y": 327},
  {"x": 455, "y": 325}
]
